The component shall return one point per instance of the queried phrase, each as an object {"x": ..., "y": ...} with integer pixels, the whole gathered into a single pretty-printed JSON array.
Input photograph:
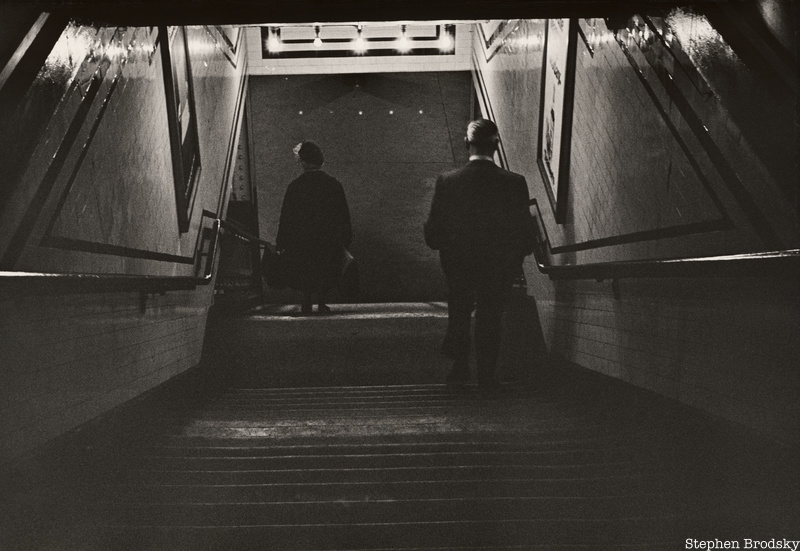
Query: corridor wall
[
  {"x": 386, "y": 136},
  {"x": 642, "y": 184},
  {"x": 92, "y": 190}
]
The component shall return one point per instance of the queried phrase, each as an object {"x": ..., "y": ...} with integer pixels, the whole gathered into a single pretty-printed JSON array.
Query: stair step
[
  {"x": 347, "y": 412},
  {"x": 562, "y": 534},
  {"x": 565, "y": 458},
  {"x": 378, "y": 426},
  {"x": 465, "y": 395},
  {"x": 376, "y": 511},
  {"x": 382, "y": 406},
  {"x": 577, "y": 436},
  {"x": 618, "y": 486},
  {"x": 368, "y": 390},
  {"x": 232, "y": 448},
  {"x": 381, "y": 474}
]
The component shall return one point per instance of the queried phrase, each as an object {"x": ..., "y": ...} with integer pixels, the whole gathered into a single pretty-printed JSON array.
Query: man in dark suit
[{"x": 480, "y": 223}]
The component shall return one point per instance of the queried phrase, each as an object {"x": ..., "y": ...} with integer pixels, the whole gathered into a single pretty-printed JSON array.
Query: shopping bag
[
  {"x": 349, "y": 278},
  {"x": 273, "y": 268}
]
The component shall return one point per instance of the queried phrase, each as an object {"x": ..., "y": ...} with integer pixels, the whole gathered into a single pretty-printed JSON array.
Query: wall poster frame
[
  {"x": 555, "y": 111},
  {"x": 181, "y": 118}
]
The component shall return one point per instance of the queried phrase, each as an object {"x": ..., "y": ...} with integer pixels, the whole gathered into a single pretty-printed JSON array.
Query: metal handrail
[
  {"x": 784, "y": 263},
  {"x": 143, "y": 283},
  {"x": 244, "y": 235},
  {"x": 124, "y": 282}
]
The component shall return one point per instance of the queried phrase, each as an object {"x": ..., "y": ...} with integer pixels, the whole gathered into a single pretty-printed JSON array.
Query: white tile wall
[
  {"x": 726, "y": 346},
  {"x": 68, "y": 357}
]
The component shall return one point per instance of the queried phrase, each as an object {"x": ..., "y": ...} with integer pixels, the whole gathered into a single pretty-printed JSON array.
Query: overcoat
[{"x": 314, "y": 227}]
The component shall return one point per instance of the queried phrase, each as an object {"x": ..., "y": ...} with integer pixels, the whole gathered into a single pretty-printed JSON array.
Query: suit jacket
[{"x": 481, "y": 209}]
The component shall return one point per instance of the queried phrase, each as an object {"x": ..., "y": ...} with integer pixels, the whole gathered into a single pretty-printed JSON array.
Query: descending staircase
[{"x": 561, "y": 462}]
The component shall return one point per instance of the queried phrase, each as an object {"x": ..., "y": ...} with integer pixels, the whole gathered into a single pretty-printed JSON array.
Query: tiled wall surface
[
  {"x": 624, "y": 154},
  {"x": 385, "y": 136},
  {"x": 726, "y": 346},
  {"x": 460, "y": 61},
  {"x": 113, "y": 183},
  {"x": 69, "y": 356}
]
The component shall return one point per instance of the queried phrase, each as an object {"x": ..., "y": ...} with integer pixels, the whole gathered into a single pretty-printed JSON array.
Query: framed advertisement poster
[
  {"x": 181, "y": 118},
  {"x": 556, "y": 107}
]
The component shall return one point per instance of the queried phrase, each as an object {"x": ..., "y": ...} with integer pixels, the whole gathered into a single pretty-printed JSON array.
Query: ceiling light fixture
[
  {"x": 403, "y": 44},
  {"x": 359, "y": 44},
  {"x": 274, "y": 43},
  {"x": 446, "y": 39}
]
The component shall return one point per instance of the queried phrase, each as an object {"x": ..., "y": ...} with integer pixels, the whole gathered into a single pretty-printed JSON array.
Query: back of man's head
[{"x": 483, "y": 135}]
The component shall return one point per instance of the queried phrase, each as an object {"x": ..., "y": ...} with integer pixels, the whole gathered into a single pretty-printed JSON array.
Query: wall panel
[
  {"x": 68, "y": 357},
  {"x": 385, "y": 136},
  {"x": 726, "y": 346}
]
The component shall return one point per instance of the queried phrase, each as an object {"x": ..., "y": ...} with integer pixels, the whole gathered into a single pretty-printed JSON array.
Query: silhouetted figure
[
  {"x": 314, "y": 228},
  {"x": 481, "y": 224}
]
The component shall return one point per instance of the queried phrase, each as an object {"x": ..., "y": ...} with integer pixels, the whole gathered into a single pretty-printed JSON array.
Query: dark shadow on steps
[{"x": 235, "y": 455}]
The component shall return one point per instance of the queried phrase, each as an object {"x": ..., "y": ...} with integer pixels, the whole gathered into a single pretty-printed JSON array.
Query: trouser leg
[
  {"x": 488, "y": 324},
  {"x": 459, "y": 312},
  {"x": 459, "y": 320}
]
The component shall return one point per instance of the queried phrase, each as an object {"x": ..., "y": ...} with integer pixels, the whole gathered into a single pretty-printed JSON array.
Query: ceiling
[{"x": 258, "y": 12}]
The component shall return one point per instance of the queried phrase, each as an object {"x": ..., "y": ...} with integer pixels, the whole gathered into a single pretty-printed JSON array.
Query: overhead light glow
[
  {"x": 445, "y": 41},
  {"x": 274, "y": 43},
  {"x": 359, "y": 44},
  {"x": 403, "y": 44}
]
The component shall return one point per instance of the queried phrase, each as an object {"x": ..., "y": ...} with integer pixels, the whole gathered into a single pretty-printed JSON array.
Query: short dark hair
[{"x": 482, "y": 133}]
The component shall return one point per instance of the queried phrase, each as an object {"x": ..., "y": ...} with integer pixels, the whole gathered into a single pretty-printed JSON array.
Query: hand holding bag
[
  {"x": 273, "y": 268},
  {"x": 348, "y": 279}
]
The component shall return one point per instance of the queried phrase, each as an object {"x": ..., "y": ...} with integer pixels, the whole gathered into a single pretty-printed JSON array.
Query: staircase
[{"x": 563, "y": 462}]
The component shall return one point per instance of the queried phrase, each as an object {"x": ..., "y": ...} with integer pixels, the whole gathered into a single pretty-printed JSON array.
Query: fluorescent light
[
  {"x": 359, "y": 44},
  {"x": 403, "y": 43},
  {"x": 445, "y": 41}
]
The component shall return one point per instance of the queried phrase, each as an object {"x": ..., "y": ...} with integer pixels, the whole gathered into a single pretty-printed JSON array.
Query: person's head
[
  {"x": 482, "y": 137},
  {"x": 309, "y": 155}
]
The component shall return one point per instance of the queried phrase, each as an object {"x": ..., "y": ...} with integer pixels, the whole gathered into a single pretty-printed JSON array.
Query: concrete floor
[{"x": 336, "y": 432}]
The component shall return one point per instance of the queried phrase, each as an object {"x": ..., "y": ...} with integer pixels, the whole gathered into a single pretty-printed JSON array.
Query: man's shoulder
[
  {"x": 491, "y": 169},
  {"x": 470, "y": 170},
  {"x": 509, "y": 174}
]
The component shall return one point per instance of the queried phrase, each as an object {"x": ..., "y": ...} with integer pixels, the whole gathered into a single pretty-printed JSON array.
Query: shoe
[{"x": 323, "y": 309}]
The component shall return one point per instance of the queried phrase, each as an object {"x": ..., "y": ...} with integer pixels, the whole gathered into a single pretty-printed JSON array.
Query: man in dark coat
[
  {"x": 481, "y": 224},
  {"x": 314, "y": 229}
]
